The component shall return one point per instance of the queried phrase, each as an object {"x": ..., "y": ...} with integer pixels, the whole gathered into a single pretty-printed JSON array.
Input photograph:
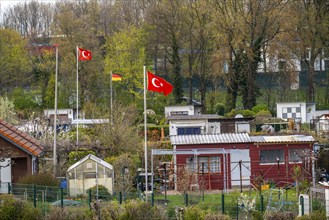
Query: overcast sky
[{"x": 6, "y": 3}]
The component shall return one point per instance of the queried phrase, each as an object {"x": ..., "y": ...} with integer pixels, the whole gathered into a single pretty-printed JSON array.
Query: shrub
[
  {"x": 103, "y": 192},
  {"x": 318, "y": 215},
  {"x": 263, "y": 113},
  {"x": 194, "y": 213},
  {"x": 39, "y": 179},
  {"x": 259, "y": 108},
  {"x": 279, "y": 215},
  {"x": 216, "y": 216},
  {"x": 12, "y": 208},
  {"x": 132, "y": 209},
  {"x": 69, "y": 213},
  {"x": 220, "y": 108}
]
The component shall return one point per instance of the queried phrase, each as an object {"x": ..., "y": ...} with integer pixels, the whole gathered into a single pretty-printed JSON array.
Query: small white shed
[{"x": 88, "y": 172}]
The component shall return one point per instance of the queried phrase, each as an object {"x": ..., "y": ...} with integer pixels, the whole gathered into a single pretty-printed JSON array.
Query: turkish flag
[
  {"x": 84, "y": 54},
  {"x": 158, "y": 84}
]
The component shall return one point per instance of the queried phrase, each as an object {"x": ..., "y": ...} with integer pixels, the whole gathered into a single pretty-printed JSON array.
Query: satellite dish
[{"x": 239, "y": 116}]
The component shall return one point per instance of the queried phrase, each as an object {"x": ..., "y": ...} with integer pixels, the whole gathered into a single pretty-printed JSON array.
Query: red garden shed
[{"x": 223, "y": 161}]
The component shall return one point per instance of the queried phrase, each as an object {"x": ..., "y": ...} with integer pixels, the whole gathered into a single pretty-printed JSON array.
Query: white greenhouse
[{"x": 89, "y": 172}]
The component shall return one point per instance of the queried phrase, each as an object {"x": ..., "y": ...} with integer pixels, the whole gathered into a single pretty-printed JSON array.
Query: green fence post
[
  {"x": 9, "y": 188},
  {"x": 223, "y": 204},
  {"x": 237, "y": 210},
  {"x": 120, "y": 197},
  {"x": 62, "y": 197},
  {"x": 34, "y": 196},
  {"x": 89, "y": 198},
  {"x": 261, "y": 203},
  {"x": 186, "y": 199},
  {"x": 152, "y": 197}
]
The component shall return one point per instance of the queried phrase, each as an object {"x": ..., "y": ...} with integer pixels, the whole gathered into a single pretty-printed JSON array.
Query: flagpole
[
  {"x": 111, "y": 99},
  {"x": 77, "y": 116},
  {"x": 55, "y": 115},
  {"x": 145, "y": 133}
]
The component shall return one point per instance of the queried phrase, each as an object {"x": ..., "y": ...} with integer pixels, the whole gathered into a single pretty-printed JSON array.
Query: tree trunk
[{"x": 310, "y": 80}]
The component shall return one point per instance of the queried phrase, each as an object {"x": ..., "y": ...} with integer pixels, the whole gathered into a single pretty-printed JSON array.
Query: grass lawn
[{"x": 212, "y": 200}]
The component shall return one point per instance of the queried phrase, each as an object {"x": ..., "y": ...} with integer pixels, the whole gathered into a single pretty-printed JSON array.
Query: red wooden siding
[{"x": 271, "y": 172}]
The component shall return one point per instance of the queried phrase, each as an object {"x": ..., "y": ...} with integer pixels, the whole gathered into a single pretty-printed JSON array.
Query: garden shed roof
[
  {"x": 92, "y": 157},
  {"x": 20, "y": 139},
  {"x": 281, "y": 139},
  {"x": 210, "y": 139}
]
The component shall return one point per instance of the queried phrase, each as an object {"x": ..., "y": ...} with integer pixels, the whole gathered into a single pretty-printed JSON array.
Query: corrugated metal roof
[
  {"x": 210, "y": 139},
  {"x": 280, "y": 139},
  {"x": 20, "y": 138},
  {"x": 189, "y": 117}
]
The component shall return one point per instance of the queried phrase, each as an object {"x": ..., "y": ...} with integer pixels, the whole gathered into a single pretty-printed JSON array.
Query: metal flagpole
[
  {"x": 111, "y": 99},
  {"x": 55, "y": 115},
  {"x": 145, "y": 133},
  {"x": 77, "y": 116}
]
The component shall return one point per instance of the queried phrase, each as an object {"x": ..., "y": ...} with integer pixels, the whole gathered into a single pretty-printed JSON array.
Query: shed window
[
  {"x": 211, "y": 164},
  {"x": 189, "y": 130},
  {"x": 296, "y": 155},
  {"x": 271, "y": 156}
]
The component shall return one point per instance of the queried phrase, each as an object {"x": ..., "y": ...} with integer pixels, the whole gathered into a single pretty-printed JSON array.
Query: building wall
[
  {"x": 273, "y": 171},
  {"x": 22, "y": 161},
  {"x": 296, "y": 110},
  {"x": 281, "y": 173}
]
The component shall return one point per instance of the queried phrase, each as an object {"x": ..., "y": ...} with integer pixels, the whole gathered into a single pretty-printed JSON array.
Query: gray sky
[{"x": 6, "y": 3}]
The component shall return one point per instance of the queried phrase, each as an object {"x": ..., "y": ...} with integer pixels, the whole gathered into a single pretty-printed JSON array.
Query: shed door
[
  {"x": 18, "y": 169},
  {"x": 227, "y": 127},
  {"x": 236, "y": 156}
]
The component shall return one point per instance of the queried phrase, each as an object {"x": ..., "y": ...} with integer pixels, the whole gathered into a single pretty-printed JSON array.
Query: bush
[
  {"x": 220, "y": 108},
  {"x": 244, "y": 113},
  {"x": 263, "y": 113},
  {"x": 103, "y": 192},
  {"x": 12, "y": 208},
  {"x": 279, "y": 215},
  {"x": 69, "y": 213},
  {"x": 194, "y": 213},
  {"x": 216, "y": 216},
  {"x": 318, "y": 215},
  {"x": 259, "y": 108},
  {"x": 39, "y": 179},
  {"x": 132, "y": 209}
]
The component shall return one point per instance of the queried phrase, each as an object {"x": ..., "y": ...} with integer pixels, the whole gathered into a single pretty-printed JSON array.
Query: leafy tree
[
  {"x": 75, "y": 156},
  {"x": 167, "y": 19},
  {"x": 7, "y": 110},
  {"x": 244, "y": 27},
  {"x": 24, "y": 102},
  {"x": 308, "y": 36},
  {"x": 199, "y": 41},
  {"x": 14, "y": 62},
  {"x": 126, "y": 55},
  {"x": 121, "y": 134},
  {"x": 125, "y": 167}
]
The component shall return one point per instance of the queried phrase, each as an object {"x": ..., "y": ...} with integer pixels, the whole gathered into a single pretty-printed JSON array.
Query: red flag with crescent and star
[
  {"x": 84, "y": 54},
  {"x": 158, "y": 84}
]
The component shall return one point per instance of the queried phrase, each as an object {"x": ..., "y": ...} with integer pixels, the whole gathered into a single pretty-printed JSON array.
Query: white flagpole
[
  {"x": 111, "y": 99},
  {"x": 77, "y": 116},
  {"x": 55, "y": 115},
  {"x": 145, "y": 133}
]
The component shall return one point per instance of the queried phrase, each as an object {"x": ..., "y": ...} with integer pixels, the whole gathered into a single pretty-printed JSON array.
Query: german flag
[{"x": 116, "y": 77}]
